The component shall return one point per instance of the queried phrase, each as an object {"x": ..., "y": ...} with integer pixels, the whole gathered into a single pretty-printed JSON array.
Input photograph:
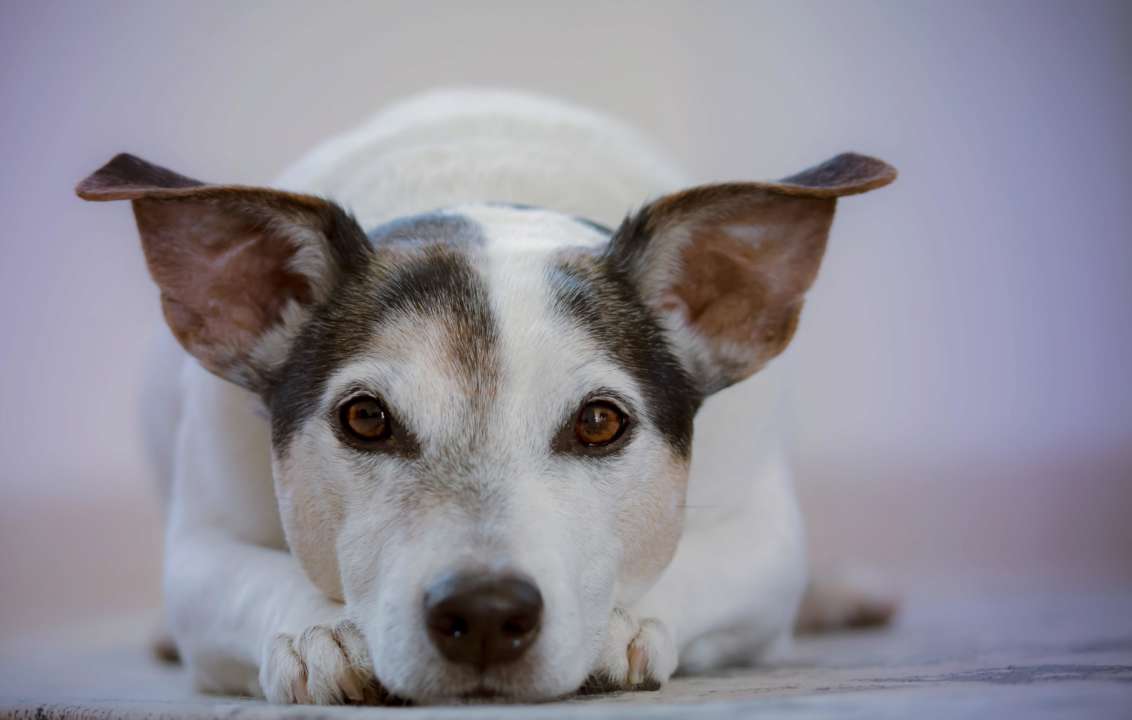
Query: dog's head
[{"x": 482, "y": 417}]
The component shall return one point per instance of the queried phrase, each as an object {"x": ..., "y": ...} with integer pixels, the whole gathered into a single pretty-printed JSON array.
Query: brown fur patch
[
  {"x": 748, "y": 290},
  {"x": 223, "y": 256},
  {"x": 225, "y": 279},
  {"x": 734, "y": 261}
]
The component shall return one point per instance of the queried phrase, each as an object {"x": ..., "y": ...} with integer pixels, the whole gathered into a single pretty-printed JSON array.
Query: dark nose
[{"x": 482, "y": 620}]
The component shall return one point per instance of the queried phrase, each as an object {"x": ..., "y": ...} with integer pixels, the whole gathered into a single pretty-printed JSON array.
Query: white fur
[{"x": 242, "y": 607}]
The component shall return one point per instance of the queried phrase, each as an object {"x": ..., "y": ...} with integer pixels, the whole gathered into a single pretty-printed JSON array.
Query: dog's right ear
[{"x": 239, "y": 268}]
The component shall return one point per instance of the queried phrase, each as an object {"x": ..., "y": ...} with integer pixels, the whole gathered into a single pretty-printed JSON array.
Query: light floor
[{"x": 1029, "y": 655}]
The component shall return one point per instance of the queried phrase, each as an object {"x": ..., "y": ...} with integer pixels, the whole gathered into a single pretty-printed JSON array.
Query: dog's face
[
  {"x": 482, "y": 417},
  {"x": 482, "y": 398}
]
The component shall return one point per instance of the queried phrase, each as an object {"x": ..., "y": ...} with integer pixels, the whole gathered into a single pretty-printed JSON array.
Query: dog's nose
[{"x": 483, "y": 620}]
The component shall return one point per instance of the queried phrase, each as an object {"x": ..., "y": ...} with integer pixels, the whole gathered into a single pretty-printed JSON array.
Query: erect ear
[
  {"x": 239, "y": 268},
  {"x": 726, "y": 267}
]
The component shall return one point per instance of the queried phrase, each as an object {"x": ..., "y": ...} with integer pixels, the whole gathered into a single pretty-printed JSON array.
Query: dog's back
[{"x": 454, "y": 147}]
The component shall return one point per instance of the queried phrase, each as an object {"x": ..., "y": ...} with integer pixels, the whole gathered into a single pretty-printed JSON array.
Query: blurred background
[{"x": 961, "y": 403}]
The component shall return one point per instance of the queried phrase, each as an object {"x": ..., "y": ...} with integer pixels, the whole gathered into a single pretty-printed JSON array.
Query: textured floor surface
[{"x": 1006, "y": 655}]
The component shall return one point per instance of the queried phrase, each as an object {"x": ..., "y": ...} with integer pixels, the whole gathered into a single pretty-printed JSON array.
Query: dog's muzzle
[{"x": 483, "y": 620}]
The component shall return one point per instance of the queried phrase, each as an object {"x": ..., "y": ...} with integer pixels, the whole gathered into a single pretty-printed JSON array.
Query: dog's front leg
[
  {"x": 249, "y": 621},
  {"x": 244, "y": 615}
]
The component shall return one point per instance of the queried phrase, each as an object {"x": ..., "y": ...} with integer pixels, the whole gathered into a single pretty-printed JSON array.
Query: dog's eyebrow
[
  {"x": 436, "y": 281},
  {"x": 606, "y": 305}
]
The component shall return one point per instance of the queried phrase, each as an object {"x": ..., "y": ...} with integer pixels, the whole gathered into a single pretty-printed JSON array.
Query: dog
[{"x": 437, "y": 447}]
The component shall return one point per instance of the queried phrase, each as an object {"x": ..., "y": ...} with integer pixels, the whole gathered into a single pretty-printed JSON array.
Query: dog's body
[{"x": 297, "y": 557}]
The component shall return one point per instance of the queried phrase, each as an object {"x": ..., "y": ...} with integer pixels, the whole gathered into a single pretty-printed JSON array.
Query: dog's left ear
[{"x": 726, "y": 267}]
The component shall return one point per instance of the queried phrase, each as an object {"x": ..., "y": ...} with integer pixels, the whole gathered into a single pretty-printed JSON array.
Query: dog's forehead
[{"x": 482, "y": 309}]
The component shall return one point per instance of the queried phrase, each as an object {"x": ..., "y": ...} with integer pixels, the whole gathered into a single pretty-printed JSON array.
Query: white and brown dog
[{"x": 440, "y": 447}]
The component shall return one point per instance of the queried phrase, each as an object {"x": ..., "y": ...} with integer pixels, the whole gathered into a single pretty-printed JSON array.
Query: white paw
[
  {"x": 325, "y": 665},
  {"x": 638, "y": 655}
]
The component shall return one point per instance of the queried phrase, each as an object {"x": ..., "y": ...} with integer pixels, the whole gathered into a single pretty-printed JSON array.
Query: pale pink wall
[{"x": 962, "y": 402}]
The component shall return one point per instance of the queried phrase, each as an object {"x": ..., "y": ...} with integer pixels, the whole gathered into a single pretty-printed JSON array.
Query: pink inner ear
[
  {"x": 722, "y": 287},
  {"x": 744, "y": 273},
  {"x": 225, "y": 280}
]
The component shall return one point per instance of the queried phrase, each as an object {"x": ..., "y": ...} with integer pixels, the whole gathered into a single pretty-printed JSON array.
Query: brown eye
[
  {"x": 599, "y": 423},
  {"x": 365, "y": 419}
]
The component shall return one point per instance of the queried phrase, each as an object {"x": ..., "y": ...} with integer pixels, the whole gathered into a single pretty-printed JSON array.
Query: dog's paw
[
  {"x": 324, "y": 665},
  {"x": 638, "y": 655}
]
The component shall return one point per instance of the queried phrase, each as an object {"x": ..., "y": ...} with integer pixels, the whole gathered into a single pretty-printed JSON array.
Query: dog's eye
[
  {"x": 365, "y": 419},
  {"x": 599, "y": 423}
]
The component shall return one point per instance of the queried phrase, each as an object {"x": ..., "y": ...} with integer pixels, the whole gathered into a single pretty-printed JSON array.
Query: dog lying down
[{"x": 439, "y": 448}]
